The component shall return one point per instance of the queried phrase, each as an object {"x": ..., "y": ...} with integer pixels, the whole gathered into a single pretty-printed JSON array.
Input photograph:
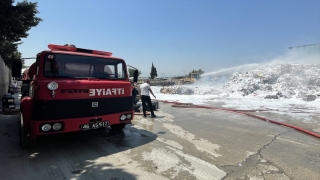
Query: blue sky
[{"x": 177, "y": 36}]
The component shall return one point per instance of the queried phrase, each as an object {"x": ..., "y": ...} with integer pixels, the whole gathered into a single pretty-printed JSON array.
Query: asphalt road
[{"x": 178, "y": 144}]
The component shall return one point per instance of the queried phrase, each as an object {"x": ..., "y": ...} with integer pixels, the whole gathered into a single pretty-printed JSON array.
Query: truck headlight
[
  {"x": 46, "y": 127},
  {"x": 57, "y": 126},
  {"x": 129, "y": 116},
  {"x": 123, "y": 117}
]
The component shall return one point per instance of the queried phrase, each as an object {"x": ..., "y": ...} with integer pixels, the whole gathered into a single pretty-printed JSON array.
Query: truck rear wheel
[
  {"x": 25, "y": 141},
  {"x": 118, "y": 127}
]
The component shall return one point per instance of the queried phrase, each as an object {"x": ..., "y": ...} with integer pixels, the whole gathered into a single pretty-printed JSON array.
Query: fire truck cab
[{"x": 71, "y": 89}]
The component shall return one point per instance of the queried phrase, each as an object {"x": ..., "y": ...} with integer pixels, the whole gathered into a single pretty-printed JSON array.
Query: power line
[
  {"x": 132, "y": 67},
  {"x": 29, "y": 58},
  {"x": 303, "y": 46}
]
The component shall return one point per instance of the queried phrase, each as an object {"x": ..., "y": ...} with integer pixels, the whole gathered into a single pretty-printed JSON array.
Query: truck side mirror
[
  {"x": 135, "y": 76},
  {"x": 16, "y": 68}
]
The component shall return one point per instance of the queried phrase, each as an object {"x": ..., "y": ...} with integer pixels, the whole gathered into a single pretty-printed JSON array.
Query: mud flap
[{"x": 25, "y": 141}]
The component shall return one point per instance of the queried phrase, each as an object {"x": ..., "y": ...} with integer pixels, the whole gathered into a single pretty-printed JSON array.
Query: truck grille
[{"x": 60, "y": 109}]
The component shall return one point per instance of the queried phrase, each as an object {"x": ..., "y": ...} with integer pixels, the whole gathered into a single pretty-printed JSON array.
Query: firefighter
[
  {"x": 145, "y": 97},
  {"x": 134, "y": 93}
]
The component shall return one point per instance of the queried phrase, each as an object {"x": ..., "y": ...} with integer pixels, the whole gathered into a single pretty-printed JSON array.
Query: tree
[
  {"x": 196, "y": 71},
  {"x": 7, "y": 50},
  {"x": 15, "y": 22},
  {"x": 131, "y": 72},
  {"x": 153, "y": 72}
]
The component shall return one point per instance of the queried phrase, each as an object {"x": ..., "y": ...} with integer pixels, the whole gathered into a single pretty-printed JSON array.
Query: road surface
[{"x": 178, "y": 144}]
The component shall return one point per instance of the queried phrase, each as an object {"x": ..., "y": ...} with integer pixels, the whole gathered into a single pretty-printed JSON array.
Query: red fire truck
[{"x": 72, "y": 89}]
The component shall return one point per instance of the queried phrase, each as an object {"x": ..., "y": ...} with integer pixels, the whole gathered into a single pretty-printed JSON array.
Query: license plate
[
  {"x": 94, "y": 125},
  {"x": 11, "y": 106}
]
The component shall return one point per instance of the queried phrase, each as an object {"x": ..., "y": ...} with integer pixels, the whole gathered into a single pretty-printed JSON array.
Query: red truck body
[{"x": 72, "y": 89}]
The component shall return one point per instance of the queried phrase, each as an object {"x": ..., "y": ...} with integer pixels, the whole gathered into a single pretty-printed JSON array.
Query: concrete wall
[{"x": 5, "y": 78}]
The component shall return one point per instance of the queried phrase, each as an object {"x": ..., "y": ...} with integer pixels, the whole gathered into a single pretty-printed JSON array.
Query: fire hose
[{"x": 190, "y": 105}]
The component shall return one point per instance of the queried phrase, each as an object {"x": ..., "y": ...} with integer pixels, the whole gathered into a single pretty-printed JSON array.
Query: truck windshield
[{"x": 76, "y": 66}]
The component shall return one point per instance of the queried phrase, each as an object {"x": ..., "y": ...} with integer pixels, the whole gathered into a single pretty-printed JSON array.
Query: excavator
[{"x": 190, "y": 79}]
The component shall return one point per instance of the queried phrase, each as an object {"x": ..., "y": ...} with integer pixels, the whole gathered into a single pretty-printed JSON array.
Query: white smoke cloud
[{"x": 308, "y": 55}]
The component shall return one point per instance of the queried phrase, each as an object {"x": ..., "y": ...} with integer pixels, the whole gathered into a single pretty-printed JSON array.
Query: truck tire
[
  {"x": 25, "y": 141},
  {"x": 117, "y": 127}
]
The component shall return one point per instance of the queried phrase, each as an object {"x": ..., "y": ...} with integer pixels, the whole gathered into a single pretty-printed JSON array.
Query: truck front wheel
[
  {"x": 25, "y": 141},
  {"x": 118, "y": 127}
]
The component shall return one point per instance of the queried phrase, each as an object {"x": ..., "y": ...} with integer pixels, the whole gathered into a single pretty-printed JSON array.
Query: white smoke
[
  {"x": 217, "y": 78},
  {"x": 293, "y": 75}
]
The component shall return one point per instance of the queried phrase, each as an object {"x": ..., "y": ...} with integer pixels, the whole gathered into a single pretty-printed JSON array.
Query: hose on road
[{"x": 190, "y": 105}]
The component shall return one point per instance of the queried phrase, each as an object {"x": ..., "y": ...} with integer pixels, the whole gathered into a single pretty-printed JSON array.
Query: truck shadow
[
  {"x": 94, "y": 154},
  {"x": 97, "y": 154}
]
